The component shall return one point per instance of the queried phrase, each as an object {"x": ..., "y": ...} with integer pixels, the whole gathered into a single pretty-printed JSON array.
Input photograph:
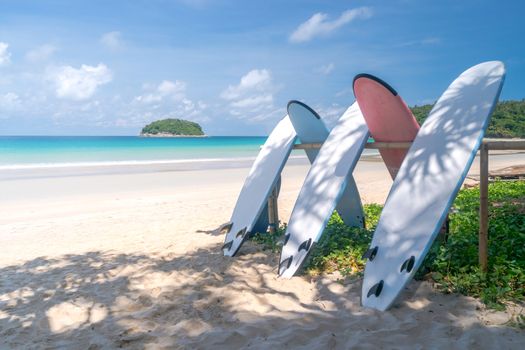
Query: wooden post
[
  {"x": 483, "y": 207},
  {"x": 273, "y": 213},
  {"x": 445, "y": 230}
]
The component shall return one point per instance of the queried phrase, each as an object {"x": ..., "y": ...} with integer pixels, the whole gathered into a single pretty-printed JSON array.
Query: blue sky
[{"x": 110, "y": 67}]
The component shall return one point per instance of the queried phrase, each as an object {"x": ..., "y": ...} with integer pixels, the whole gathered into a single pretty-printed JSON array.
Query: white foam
[{"x": 30, "y": 166}]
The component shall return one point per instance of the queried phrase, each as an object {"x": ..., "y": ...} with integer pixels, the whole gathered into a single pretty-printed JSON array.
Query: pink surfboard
[{"x": 388, "y": 117}]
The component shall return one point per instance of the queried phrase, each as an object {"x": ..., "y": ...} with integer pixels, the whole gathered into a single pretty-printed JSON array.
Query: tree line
[{"x": 507, "y": 121}]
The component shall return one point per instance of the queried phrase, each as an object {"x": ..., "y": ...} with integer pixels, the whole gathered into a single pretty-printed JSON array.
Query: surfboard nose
[
  {"x": 387, "y": 116},
  {"x": 495, "y": 68}
]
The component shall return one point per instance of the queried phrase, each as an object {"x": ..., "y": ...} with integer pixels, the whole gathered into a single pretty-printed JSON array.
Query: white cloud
[
  {"x": 422, "y": 42},
  {"x": 112, "y": 40},
  {"x": 345, "y": 92},
  {"x": 256, "y": 79},
  {"x": 253, "y": 97},
  {"x": 167, "y": 87},
  {"x": 166, "y": 90},
  {"x": 5, "y": 56},
  {"x": 9, "y": 101},
  {"x": 137, "y": 115},
  {"x": 80, "y": 83},
  {"x": 326, "y": 69},
  {"x": 320, "y": 25},
  {"x": 166, "y": 100},
  {"x": 254, "y": 101},
  {"x": 40, "y": 53}
]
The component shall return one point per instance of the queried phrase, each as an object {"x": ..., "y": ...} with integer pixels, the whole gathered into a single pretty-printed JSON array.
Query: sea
[
  {"x": 23, "y": 152},
  {"x": 48, "y": 152}
]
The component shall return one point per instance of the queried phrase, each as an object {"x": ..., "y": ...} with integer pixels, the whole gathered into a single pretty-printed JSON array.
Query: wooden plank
[
  {"x": 388, "y": 145},
  {"x": 373, "y": 145},
  {"x": 307, "y": 146},
  {"x": 504, "y": 144},
  {"x": 493, "y": 144},
  {"x": 483, "y": 207}
]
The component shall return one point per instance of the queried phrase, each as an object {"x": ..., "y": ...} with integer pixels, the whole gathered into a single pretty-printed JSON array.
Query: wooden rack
[{"x": 486, "y": 145}]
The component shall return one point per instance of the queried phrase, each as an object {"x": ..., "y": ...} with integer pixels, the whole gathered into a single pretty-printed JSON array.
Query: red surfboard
[{"x": 388, "y": 117}]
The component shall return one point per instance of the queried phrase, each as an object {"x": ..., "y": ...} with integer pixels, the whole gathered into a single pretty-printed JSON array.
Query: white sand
[{"x": 115, "y": 260}]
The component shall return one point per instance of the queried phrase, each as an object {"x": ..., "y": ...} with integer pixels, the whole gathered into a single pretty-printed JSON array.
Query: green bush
[
  {"x": 454, "y": 264},
  {"x": 270, "y": 241},
  {"x": 341, "y": 247}
]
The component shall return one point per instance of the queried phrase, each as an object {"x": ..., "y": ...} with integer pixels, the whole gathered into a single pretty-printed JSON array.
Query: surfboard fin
[
  {"x": 227, "y": 245},
  {"x": 305, "y": 245},
  {"x": 408, "y": 264},
  {"x": 287, "y": 262},
  {"x": 361, "y": 221},
  {"x": 225, "y": 228},
  {"x": 370, "y": 254},
  {"x": 376, "y": 289},
  {"x": 284, "y": 240},
  {"x": 241, "y": 233}
]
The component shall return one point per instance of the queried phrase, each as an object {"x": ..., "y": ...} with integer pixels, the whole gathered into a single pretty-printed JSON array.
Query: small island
[{"x": 172, "y": 128}]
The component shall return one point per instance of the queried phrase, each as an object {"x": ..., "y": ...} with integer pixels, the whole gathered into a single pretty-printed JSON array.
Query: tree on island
[{"x": 172, "y": 127}]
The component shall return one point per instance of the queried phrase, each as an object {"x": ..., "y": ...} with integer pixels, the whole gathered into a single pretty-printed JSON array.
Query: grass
[{"x": 453, "y": 264}]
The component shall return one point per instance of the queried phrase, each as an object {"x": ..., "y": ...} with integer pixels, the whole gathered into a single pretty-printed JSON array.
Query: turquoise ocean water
[
  {"x": 50, "y": 151},
  {"x": 28, "y": 152}
]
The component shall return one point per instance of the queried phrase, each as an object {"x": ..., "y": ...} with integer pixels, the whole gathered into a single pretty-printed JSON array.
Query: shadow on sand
[{"x": 202, "y": 300}]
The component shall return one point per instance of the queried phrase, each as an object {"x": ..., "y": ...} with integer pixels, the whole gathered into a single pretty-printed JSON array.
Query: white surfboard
[
  {"x": 427, "y": 182},
  {"x": 323, "y": 187},
  {"x": 249, "y": 213},
  {"x": 262, "y": 178},
  {"x": 311, "y": 129}
]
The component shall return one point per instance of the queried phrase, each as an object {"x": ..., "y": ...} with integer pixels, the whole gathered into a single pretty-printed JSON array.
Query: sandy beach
[{"x": 129, "y": 258}]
